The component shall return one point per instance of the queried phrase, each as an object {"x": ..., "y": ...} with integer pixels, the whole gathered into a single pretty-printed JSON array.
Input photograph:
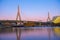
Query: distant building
[{"x": 56, "y": 19}]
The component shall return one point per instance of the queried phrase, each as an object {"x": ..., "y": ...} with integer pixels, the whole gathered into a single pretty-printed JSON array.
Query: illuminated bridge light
[{"x": 56, "y": 19}]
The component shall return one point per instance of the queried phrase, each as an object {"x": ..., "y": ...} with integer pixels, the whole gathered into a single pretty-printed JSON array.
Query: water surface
[{"x": 28, "y": 33}]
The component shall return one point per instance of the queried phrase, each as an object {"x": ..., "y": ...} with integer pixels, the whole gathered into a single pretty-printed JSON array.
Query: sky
[{"x": 30, "y": 10}]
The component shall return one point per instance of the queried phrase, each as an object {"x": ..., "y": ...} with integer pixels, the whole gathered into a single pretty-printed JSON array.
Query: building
[{"x": 56, "y": 19}]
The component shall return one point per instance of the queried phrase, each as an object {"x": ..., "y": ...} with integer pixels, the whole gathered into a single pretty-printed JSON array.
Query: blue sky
[{"x": 29, "y": 9}]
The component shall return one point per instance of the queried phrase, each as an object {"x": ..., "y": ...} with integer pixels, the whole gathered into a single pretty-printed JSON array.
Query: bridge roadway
[
  {"x": 9, "y": 22},
  {"x": 13, "y": 23}
]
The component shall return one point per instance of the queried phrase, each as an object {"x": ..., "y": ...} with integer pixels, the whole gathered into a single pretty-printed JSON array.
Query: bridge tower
[
  {"x": 18, "y": 17},
  {"x": 48, "y": 18}
]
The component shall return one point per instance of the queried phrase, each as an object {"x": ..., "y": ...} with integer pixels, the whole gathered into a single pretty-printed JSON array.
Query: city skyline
[{"x": 31, "y": 10}]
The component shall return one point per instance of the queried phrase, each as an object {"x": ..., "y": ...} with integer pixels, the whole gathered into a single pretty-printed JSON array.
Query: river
[{"x": 29, "y": 33}]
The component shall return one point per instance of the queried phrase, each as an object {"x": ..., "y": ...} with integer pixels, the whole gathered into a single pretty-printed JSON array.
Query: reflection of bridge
[{"x": 19, "y": 31}]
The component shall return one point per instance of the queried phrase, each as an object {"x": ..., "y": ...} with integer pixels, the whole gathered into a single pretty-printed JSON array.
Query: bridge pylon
[
  {"x": 18, "y": 17},
  {"x": 48, "y": 18}
]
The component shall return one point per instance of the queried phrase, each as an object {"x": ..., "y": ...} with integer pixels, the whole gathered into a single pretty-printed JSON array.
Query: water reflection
[
  {"x": 56, "y": 32},
  {"x": 49, "y": 33},
  {"x": 33, "y": 33},
  {"x": 18, "y": 33}
]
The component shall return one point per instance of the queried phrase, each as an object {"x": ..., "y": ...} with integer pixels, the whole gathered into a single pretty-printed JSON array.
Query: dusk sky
[{"x": 34, "y": 10}]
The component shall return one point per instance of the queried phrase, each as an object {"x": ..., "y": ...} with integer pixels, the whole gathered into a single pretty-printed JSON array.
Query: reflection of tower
[
  {"x": 18, "y": 33},
  {"x": 18, "y": 17},
  {"x": 49, "y": 33},
  {"x": 48, "y": 19}
]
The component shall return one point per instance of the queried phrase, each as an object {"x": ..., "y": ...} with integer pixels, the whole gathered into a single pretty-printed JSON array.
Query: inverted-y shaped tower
[
  {"x": 18, "y": 17},
  {"x": 48, "y": 19}
]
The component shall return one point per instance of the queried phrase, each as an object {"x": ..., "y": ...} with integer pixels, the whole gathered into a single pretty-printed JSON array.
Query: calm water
[{"x": 30, "y": 33}]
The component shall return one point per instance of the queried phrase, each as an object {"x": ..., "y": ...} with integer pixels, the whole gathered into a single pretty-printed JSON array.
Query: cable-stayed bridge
[{"x": 20, "y": 23}]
